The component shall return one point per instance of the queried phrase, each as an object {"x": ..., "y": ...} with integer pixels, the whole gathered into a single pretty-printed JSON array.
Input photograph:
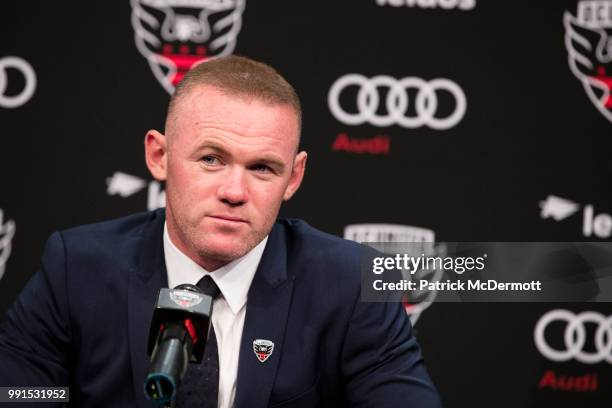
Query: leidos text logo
[
  {"x": 589, "y": 50},
  {"x": 173, "y": 35},
  {"x": 443, "y": 4},
  {"x": 24, "y": 95},
  {"x": 557, "y": 208},
  {"x": 125, "y": 185},
  {"x": 409, "y": 102}
]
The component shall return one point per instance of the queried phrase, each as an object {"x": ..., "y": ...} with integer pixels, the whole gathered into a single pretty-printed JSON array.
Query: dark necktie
[{"x": 200, "y": 386}]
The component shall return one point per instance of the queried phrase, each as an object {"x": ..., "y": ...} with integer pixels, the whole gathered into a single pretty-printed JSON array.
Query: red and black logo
[
  {"x": 174, "y": 35},
  {"x": 589, "y": 50},
  {"x": 263, "y": 349}
]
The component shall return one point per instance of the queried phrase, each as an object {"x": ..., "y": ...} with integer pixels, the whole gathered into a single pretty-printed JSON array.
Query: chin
[{"x": 224, "y": 253}]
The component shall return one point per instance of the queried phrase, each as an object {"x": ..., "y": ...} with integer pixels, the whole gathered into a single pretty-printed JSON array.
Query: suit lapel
[
  {"x": 144, "y": 284},
  {"x": 266, "y": 318}
]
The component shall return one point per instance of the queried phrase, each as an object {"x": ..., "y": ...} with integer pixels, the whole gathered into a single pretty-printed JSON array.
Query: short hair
[{"x": 240, "y": 76}]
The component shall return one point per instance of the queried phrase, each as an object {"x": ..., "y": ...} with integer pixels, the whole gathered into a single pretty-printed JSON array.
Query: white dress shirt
[{"x": 229, "y": 309}]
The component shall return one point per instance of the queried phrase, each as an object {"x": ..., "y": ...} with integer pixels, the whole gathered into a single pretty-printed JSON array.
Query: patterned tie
[{"x": 200, "y": 387}]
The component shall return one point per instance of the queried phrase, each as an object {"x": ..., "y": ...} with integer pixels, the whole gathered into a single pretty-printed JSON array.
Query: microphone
[{"x": 178, "y": 333}]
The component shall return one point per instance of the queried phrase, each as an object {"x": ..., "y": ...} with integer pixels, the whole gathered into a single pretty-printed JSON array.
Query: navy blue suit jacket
[{"x": 82, "y": 321}]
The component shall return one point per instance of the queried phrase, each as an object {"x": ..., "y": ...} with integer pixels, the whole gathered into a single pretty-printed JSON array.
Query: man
[{"x": 229, "y": 157}]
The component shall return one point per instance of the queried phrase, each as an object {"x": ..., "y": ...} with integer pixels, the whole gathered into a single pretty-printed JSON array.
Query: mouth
[{"x": 228, "y": 219}]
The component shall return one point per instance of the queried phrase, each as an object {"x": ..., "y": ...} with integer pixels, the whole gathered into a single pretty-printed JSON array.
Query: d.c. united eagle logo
[
  {"x": 174, "y": 35},
  {"x": 589, "y": 50},
  {"x": 263, "y": 349}
]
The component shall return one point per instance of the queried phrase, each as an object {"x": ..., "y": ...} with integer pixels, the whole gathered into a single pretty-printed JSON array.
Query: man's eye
[
  {"x": 210, "y": 160},
  {"x": 261, "y": 168}
]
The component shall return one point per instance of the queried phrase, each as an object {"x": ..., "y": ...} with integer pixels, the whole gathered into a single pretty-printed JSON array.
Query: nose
[{"x": 232, "y": 190}]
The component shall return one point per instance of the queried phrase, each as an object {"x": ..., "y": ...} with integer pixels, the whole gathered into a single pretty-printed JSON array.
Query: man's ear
[
  {"x": 297, "y": 175},
  {"x": 156, "y": 154}
]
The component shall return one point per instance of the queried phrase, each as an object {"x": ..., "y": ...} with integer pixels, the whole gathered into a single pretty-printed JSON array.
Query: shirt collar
[{"x": 233, "y": 279}]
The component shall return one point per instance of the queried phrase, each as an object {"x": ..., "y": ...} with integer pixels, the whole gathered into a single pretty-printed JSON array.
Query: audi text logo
[
  {"x": 574, "y": 337},
  {"x": 397, "y": 101},
  {"x": 15, "y": 101}
]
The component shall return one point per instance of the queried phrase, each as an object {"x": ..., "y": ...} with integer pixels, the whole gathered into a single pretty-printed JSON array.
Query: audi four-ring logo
[
  {"x": 397, "y": 101},
  {"x": 574, "y": 337},
  {"x": 15, "y": 101}
]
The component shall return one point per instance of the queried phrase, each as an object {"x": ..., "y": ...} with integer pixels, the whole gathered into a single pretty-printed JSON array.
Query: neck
[{"x": 210, "y": 264}]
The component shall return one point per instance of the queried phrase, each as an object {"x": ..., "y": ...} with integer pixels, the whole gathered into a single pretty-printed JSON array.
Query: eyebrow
[{"x": 266, "y": 158}]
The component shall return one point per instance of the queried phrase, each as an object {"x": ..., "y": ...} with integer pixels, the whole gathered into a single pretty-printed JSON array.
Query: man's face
[{"x": 229, "y": 162}]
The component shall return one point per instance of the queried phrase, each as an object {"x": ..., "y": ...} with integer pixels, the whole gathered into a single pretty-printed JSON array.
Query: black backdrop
[{"x": 530, "y": 137}]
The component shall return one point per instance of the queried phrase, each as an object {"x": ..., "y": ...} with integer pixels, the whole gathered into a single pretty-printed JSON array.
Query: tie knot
[{"x": 208, "y": 286}]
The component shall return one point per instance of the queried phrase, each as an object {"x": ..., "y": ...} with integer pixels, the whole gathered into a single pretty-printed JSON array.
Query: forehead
[{"x": 207, "y": 108}]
